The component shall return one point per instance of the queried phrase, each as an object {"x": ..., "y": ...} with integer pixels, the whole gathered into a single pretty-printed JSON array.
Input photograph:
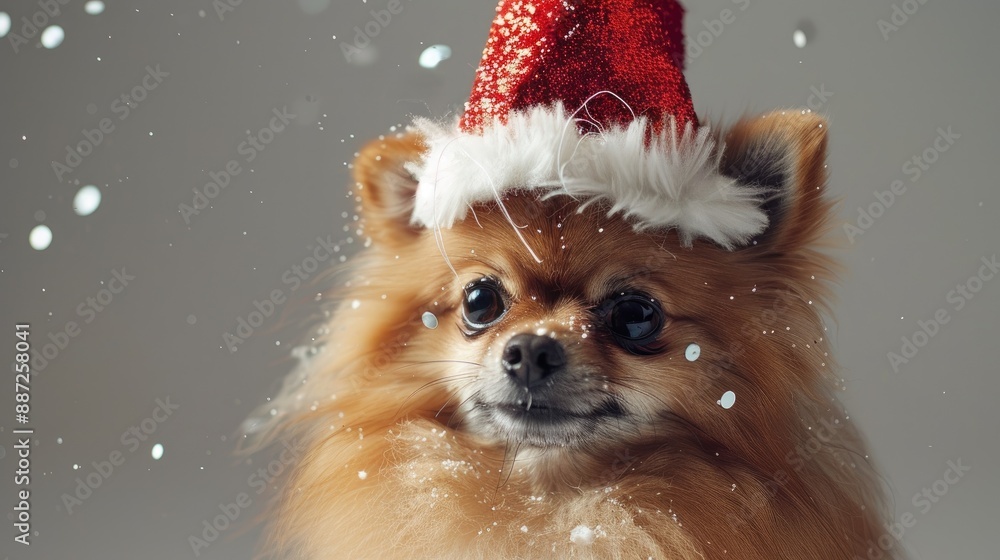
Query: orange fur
[{"x": 680, "y": 478}]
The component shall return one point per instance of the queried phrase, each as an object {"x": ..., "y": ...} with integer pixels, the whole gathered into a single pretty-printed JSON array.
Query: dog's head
[{"x": 610, "y": 334}]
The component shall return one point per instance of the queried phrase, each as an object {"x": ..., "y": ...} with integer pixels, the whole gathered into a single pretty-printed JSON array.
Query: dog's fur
[{"x": 781, "y": 474}]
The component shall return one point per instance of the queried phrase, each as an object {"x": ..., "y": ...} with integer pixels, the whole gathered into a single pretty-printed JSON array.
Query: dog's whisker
[
  {"x": 510, "y": 470},
  {"x": 627, "y": 384},
  {"x": 416, "y": 363},
  {"x": 470, "y": 376},
  {"x": 459, "y": 407},
  {"x": 455, "y": 394}
]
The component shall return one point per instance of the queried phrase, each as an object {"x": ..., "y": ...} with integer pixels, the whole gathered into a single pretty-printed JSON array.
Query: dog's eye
[
  {"x": 483, "y": 304},
  {"x": 634, "y": 320}
]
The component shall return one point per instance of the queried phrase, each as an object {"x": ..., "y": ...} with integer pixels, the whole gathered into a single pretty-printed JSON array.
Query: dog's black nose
[{"x": 531, "y": 359}]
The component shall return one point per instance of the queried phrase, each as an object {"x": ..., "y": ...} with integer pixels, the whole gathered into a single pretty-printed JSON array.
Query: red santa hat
[{"x": 585, "y": 98}]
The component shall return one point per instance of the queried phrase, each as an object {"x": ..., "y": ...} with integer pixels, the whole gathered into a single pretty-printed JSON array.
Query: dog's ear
[
  {"x": 783, "y": 153},
  {"x": 387, "y": 189}
]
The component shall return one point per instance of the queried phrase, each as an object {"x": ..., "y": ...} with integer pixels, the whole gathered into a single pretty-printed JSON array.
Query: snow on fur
[{"x": 670, "y": 181}]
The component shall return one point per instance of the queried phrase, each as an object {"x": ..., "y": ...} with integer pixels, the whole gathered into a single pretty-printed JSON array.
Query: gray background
[{"x": 162, "y": 336}]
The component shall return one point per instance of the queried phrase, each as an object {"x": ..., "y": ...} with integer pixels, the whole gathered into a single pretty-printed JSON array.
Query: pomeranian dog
[{"x": 549, "y": 375}]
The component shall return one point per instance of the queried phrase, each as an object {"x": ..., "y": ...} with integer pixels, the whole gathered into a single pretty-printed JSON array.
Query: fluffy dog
[
  {"x": 580, "y": 337},
  {"x": 561, "y": 395}
]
